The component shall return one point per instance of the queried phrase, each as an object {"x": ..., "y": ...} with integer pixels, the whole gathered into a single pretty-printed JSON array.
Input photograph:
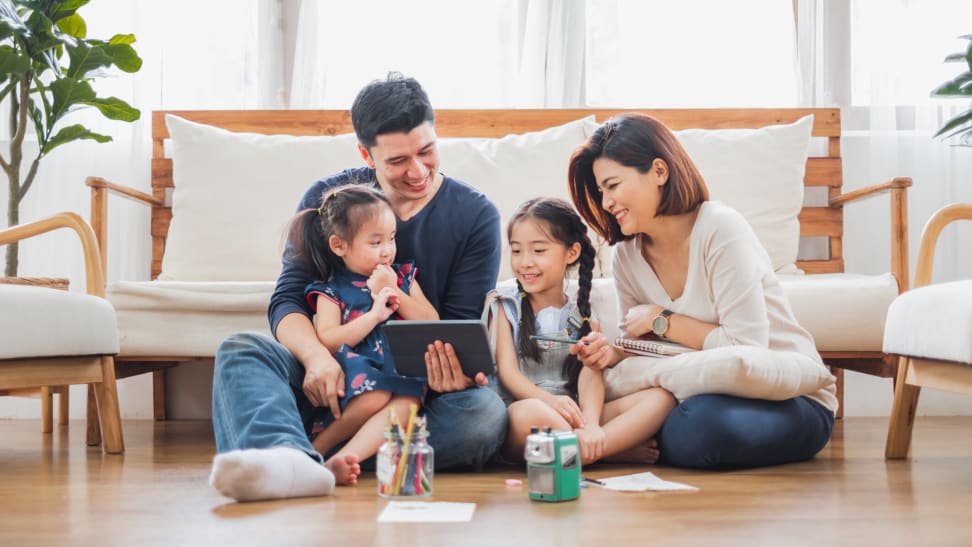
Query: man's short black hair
[{"x": 394, "y": 105}]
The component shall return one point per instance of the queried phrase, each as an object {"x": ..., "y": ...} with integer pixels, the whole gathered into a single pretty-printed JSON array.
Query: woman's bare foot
[
  {"x": 646, "y": 452},
  {"x": 345, "y": 468}
]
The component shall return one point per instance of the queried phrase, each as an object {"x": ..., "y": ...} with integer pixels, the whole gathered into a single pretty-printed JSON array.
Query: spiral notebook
[{"x": 651, "y": 347}]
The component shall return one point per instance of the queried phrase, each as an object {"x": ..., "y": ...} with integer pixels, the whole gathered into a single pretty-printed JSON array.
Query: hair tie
[
  {"x": 523, "y": 294},
  {"x": 586, "y": 319}
]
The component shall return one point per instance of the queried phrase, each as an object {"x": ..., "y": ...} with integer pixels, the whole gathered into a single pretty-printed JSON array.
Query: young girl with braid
[{"x": 543, "y": 384}]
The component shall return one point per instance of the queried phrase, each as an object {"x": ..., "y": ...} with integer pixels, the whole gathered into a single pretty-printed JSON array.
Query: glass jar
[{"x": 405, "y": 465}]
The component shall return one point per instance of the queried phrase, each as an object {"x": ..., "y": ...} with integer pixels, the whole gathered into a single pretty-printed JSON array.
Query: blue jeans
[
  {"x": 259, "y": 402},
  {"x": 726, "y": 432}
]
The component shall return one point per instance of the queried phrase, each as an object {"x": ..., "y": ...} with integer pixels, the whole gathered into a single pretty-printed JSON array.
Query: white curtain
[
  {"x": 878, "y": 60},
  {"x": 465, "y": 56},
  {"x": 196, "y": 55}
]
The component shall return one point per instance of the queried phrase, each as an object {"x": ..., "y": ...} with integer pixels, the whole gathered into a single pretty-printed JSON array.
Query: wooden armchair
[
  {"x": 54, "y": 337},
  {"x": 930, "y": 328}
]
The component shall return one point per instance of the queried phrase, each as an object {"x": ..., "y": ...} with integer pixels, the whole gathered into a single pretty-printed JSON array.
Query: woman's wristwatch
[{"x": 659, "y": 325}]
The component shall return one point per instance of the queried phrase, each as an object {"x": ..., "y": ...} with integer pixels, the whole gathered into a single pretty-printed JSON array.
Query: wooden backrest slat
[{"x": 821, "y": 171}]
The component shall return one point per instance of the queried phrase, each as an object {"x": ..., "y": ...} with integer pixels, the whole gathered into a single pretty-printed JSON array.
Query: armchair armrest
[
  {"x": 100, "y": 188},
  {"x": 898, "y": 187},
  {"x": 929, "y": 238},
  {"x": 94, "y": 271}
]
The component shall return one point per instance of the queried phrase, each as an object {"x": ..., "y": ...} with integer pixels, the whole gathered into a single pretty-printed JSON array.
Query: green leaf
[
  {"x": 83, "y": 59},
  {"x": 11, "y": 62},
  {"x": 122, "y": 39},
  {"x": 65, "y": 8},
  {"x": 956, "y": 123},
  {"x": 954, "y": 87},
  {"x": 67, "y": 93},
  {"x": 73, "y": 25},
  {"x": 124, "y": 57},
  {"x": 8, "y": 86},
  {"x": 11, "y": 23},
  {"x": 114, "y": 108},
  {"x": 72, "y": 133},
  {"x": 37, "y": 117}
]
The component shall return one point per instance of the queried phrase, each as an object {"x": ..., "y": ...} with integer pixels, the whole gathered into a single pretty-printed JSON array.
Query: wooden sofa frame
[{"x": 815, "y": 221}]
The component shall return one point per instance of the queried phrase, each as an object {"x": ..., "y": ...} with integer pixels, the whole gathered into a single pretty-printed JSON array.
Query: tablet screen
[{"x": 409, "y": 340}]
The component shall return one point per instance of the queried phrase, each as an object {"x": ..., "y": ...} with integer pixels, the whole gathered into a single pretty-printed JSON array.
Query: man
[{"x": 265, "y": 391}]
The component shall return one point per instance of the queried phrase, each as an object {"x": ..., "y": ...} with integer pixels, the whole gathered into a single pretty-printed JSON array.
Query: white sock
[{"x": 271, "y": 473}]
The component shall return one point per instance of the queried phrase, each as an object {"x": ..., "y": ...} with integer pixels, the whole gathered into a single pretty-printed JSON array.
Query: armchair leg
[
  {"x": 902, "y": 414},
  {"x": 109, "y": 415}
]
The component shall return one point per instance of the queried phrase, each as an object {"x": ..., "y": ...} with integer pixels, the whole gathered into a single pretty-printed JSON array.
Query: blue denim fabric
[
  {"x": 258, "y": 402},
  {"x": 726, "y": 432},
  {"x": 258, "y": 399}
]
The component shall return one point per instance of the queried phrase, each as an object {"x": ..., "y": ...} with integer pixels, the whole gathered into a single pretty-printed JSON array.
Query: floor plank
[{"x": 56, "y": 491}]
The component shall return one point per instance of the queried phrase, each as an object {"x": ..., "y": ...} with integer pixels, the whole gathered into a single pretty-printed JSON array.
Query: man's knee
[{"x": 478, "y": 412}]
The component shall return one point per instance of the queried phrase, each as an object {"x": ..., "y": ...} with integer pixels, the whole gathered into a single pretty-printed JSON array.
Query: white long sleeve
[{"x": 730, "y": 283}]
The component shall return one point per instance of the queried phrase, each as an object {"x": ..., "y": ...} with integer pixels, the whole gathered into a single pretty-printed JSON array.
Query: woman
[{"x": 692, "y": 271}]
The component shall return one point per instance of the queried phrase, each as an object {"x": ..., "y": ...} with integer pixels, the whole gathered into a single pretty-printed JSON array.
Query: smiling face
[
  {"x": 628, "y": 195},
  {"x": 539, "y": 261},
  {"x": 373, "y": 243},
  {"x": 406, "y": 164}
]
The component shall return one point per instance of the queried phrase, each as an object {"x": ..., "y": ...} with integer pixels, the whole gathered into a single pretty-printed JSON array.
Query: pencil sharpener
[{"x": 553, "y": 465}]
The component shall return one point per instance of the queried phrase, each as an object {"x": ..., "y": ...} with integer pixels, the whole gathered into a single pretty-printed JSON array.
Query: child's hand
[
  {"x": 383, "y": 276},
  {"x": 591, "y": 440},
  {"x": 568, "y": 409},
  {"x": 594, "y": 351},
  {"x": 386, "y": 303}
]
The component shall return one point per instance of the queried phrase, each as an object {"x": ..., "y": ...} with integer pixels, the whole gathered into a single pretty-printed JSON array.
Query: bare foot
[
  {"x": 646, "y": 452},
  {"x": 345, "y": 468}
]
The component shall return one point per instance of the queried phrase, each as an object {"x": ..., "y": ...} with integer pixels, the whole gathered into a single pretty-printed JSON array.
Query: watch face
[{"x": 659, "y": 325}]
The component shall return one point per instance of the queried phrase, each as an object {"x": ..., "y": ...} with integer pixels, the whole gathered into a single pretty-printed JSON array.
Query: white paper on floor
[
  {"x": 640, "y": 482},
  {"x": 425, "y": 511}
]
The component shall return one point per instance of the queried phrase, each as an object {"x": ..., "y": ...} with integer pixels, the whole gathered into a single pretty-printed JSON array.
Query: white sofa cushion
[
  {"x": 758, "y": 172},
  {"x": 186, "y": 319},
  {"x": 234, "y": 195},
  {"x": 843, "y": 311},
  {"x": 43, "y": 322},
  {"x": 934, "y": 322},
  {"x": 235, "y": 192}
]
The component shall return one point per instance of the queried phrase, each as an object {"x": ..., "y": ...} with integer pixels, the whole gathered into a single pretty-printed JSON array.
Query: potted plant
[
  {"x": 36, "y": 38},
  {"x": 958, "y": 87}
]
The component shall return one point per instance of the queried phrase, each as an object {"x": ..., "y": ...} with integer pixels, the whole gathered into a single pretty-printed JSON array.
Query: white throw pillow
[
  {"x": 234, "y": 195},
  {"x": 235, "y": 192},
  {"x": 515, "y": 168},
  {"x": 758, "y": 172},
  {"x": 743, "y": 371}
]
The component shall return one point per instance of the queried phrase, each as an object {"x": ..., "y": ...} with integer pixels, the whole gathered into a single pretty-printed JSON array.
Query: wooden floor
[{"x": 55, "y": 491}]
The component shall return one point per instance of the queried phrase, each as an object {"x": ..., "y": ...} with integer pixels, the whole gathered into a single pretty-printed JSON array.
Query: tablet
[{"x": 409, "y": 340}]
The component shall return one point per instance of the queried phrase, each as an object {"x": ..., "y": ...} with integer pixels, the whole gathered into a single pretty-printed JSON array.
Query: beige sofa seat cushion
[
  {"x": 843, "y": 311},
  {"x": 42, "y": 322},
  {"x": 186, "y": 319}
]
